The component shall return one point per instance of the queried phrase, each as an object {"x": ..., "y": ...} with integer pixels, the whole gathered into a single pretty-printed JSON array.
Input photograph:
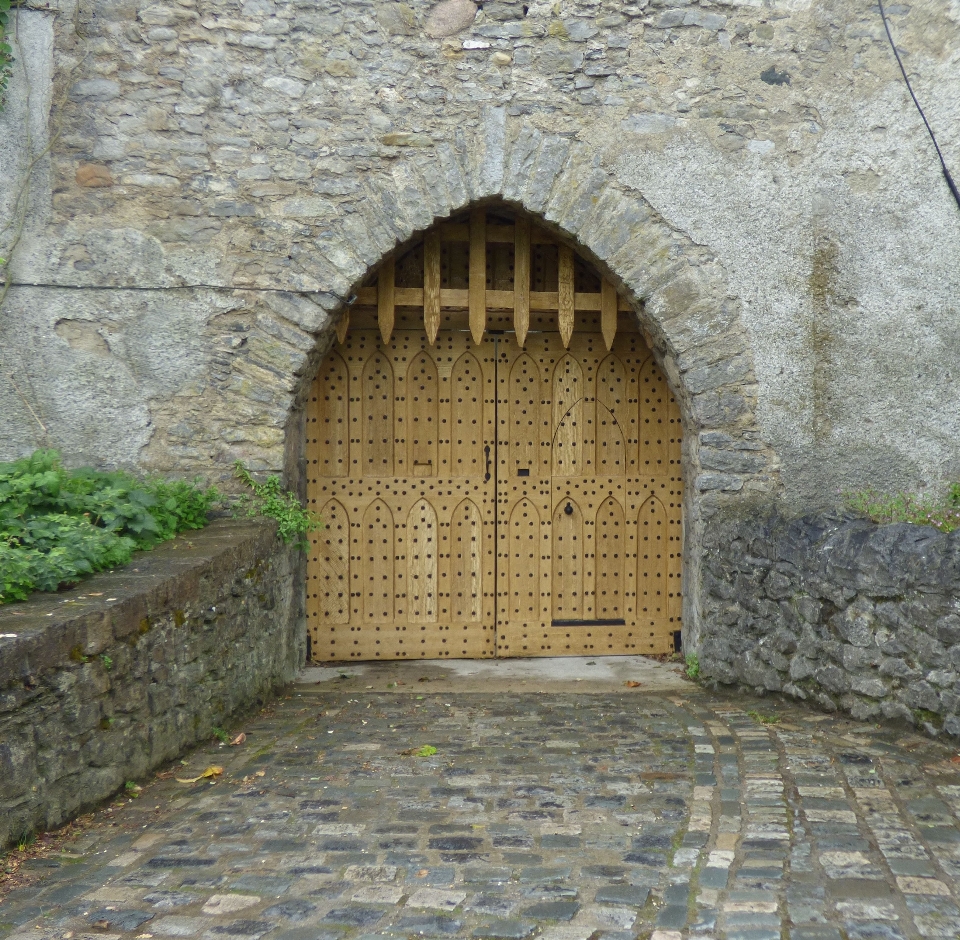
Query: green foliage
[
  {"x": 221, "y": 735},
  {"x": 107, "y": 661},
  {"x": 693, "y": 665},
  {"x": 25, "y": 840},
  {"x": 6, "y": 53},
  {"x": 765, "y": 719},
  {"x": 426, "y": 750},
  {"x": 269, "y": 499},
  {"x": 57, "y": 526},
  {"x": 942, "y": 513}
]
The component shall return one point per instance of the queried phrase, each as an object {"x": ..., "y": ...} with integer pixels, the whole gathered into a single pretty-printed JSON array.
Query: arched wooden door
[{"x": 484, "y": 497}]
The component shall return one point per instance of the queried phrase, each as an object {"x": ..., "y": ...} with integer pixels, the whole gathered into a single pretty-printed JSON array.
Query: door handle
[{"x": 486, "y": 453}]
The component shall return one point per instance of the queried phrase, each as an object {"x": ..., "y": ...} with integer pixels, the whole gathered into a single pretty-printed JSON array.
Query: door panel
[
  {"x": 610, "y": 440},
  {"x": 410, "y": 524}
]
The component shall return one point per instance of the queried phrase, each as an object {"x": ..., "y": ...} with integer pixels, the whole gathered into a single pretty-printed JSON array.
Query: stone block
[
  {"x": 866, "y": 685},
  {"x": 895, "y": 668},
  {"x": 832, "y": 678},
  {"x": 450, "y": 17},
  {"x": 856, "y": 658},
  {"x": 856, "y": 624},
  {"x": 921, "y": 694}
]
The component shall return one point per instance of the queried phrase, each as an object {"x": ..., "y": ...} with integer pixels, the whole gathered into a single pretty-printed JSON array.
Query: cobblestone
[{"x": 564, "y": 815}]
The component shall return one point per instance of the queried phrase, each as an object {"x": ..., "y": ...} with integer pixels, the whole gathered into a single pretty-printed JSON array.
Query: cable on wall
[{"x": 926, "y": 123}]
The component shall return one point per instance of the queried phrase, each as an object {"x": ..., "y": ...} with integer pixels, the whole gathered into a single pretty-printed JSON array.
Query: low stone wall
[
  {"x": 101, "y": 684},
  {"x": 837, "y": 611}
]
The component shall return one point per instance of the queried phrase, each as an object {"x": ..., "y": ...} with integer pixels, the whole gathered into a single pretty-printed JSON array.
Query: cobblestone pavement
[{"x": 563, "y": 815}]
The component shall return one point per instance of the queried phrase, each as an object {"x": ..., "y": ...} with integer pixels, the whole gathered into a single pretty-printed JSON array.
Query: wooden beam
[
  {"x": 386, "y": 299},
  {"x": 452, "y": 298},
  {"x": 608, "y": 312},
  {"x": 342, "y": 326},
  {"x": 478, "y": 273},
  {"x": 497, "y": 233},
  {"x": 565, "y": 295},
  {"x": 431, "y": 285},
  {"x": 521, "y": 280}
]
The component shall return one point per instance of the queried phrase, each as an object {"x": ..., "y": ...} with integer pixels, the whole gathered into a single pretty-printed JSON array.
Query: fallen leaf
[
  {"x": 423, "y": 872},
  {"x": 239, "y": 739},
  {"x": 630, "y": 684},
  {"x": 955, "y": 760},
  {"x": 101, "y": 924},
  {"x": 209, "y": 772},
  {"x": 423, "y": 679}
]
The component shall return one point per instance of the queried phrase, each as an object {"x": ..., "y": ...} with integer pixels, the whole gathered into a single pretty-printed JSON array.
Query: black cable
[{"x": 926, "y": 123}]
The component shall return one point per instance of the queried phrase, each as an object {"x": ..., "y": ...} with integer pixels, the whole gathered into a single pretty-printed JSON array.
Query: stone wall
[
  {"x": 223, "y": 173},
  {"x": 199, "y": 186},
  {"x": 839, "y": 612},
  {"x": 101, "y": 684}
]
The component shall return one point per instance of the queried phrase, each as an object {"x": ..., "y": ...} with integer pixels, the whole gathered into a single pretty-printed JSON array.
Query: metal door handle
[{"x": 486, "y": 452}]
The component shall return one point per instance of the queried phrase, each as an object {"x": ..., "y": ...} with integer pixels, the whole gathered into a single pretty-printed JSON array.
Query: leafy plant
[
  {"x": 107, "y": 661},
  {"x": 693, "y": 666},
  {"x": 765, "y": 719},
  {"x": 942, "y": 513},
  {"x": 269, "y": 499},
  {"x": 6, "y": 54},
  {"x": 221, "y": 735},
  {"x": 56, "y": 526}
]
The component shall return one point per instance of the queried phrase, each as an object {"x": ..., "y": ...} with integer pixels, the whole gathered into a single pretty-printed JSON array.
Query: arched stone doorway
[{"x": 497, "y": 457}]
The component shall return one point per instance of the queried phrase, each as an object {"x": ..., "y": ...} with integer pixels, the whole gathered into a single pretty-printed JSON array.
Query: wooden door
[
  {"x": 496, "y": 457},
  {"x": 588, "y": 498},
  {"x": 399, "y": 454}
]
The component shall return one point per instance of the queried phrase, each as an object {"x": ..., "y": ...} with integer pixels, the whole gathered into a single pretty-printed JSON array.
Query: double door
[{"x": 486, "y": 500}]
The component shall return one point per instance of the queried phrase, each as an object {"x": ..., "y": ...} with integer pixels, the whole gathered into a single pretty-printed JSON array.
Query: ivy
[
  {"x": 269, "y": 499},
  {"x": 6, "y": 50},
  {"x": 56, "y": 526}
]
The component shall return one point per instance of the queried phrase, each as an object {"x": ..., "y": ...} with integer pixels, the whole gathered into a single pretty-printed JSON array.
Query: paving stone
[
  {"x": 355, "y": 916},
  {"x": 672, "y": 916},
  {"x": 427, "y": 925},
  {"x": 633, "y": 895},
  {"x": 378, "y": 894},
  {"x": 292, "y": 909},
  {"x": 242, "y": 928},
  {"x": 815, "y": 932},
  {"x": 552, "y": 910},
  {"x": 505, "y": 929},
  {"x": 174, "y": 926},
  {"x": 164, "y": 900},
  {"x": 307, "y": 933},
  {"x": 218, "y": 904},
  {"x": 118, "y": 919},
  {"x": 437, "y": 899}
]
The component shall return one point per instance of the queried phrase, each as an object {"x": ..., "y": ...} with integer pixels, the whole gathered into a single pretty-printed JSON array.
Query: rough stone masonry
[{"x": 194, "y": 187}]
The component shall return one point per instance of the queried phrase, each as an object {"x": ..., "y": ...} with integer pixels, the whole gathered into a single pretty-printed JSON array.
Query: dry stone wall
[
  {"x": 839, "y": 612},
  {"x": 102, "y": 684}
]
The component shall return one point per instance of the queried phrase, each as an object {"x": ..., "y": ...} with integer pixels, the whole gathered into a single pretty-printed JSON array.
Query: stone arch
[{"x": 675, "y": 286}]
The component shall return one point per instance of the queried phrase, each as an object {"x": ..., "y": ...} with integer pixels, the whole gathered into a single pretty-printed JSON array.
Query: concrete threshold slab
[{"x": 561, "y": 674}]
